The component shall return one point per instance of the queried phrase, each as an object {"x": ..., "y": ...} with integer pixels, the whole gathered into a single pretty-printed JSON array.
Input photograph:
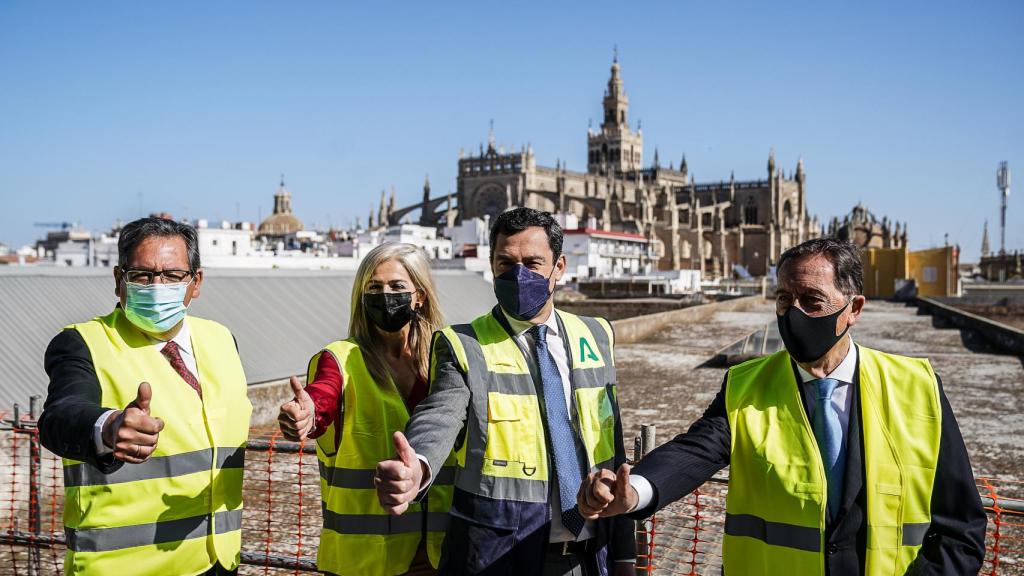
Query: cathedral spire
[
  {"x": 984, "y": 241},
  {"x": 616, "y": 104},
  {"x": 615, "y": 148}
]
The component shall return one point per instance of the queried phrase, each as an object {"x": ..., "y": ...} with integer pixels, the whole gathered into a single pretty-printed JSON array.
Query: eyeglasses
[{"x": 146, "y": 277}]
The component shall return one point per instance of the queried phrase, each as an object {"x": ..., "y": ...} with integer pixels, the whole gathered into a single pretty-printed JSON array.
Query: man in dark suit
[
  {"x": 148, "y": 408},
  {"x": 844, "y": 460},
  {"x": 526, "y": 396}
]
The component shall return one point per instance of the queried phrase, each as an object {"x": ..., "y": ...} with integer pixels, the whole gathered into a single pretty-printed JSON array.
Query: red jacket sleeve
[{"x": 325, "y": 391}]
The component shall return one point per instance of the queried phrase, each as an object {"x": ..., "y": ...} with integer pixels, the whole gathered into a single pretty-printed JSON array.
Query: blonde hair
[{"x": 423, "y": 324}]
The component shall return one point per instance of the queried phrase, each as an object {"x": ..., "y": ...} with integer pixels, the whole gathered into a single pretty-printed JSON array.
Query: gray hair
[
  {"x": 844, "y": 256},
  {"x": 138, "y": 230}
]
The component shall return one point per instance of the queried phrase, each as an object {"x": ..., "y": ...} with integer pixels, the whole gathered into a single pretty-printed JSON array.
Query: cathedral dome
[
  {"x": 280, "y": 225},
  {"x": 282, "y": 222}
]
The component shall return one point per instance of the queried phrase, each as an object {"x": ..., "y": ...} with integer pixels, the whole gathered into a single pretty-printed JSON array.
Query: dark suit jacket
[
  {"x": 73, "y": 402},
  {"x": 954, "y": 544}
]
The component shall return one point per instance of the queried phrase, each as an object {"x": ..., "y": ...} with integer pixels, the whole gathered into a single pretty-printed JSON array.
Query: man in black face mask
[
  {"x": 843, "y": 460},
  {"x": 526, "y": 395}
]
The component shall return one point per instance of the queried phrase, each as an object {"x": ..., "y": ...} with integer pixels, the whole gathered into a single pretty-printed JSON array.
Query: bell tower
[{"x": 616, "y": 148}]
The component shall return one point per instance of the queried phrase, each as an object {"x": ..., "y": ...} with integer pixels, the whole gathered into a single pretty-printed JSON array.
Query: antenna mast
[{"x": 1003, "y": 183}]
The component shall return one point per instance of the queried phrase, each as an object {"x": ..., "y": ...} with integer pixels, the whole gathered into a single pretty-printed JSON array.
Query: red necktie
[{"x": 173, "y": 355}]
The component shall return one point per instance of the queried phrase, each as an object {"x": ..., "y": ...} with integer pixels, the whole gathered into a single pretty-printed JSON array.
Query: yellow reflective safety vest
[
  {"x": 504, "y": 454},
  {"x": 180, "y": 511},
  {"x": 775, "y": 508},
  {"x": 359, "y": 538}
]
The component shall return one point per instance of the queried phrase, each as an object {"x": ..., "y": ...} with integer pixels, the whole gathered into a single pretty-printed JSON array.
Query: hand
[
  {"x": 296, "y": 417},
  {"x": 605, "y": 493},
  {"x": 132, "y": 433},
  {"x": 398, "y": 480},
  {"x": 624, "y": 569}
]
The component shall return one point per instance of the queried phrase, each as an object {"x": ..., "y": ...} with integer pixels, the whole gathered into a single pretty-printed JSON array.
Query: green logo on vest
[{"x": 586, "y": 352}]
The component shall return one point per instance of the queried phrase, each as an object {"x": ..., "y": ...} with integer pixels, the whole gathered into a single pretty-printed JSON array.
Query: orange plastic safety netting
[{"x": 281, "y": 521}]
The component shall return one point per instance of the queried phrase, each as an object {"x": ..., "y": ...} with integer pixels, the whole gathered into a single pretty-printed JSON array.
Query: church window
[
  {"x": 787, "y": 213},
  {"x": 750, "y": 211}
]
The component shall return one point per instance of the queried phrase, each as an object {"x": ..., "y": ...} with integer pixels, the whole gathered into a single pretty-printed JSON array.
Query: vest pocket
[
  {"x": 512, "y": 430},
  {"x": 890, "y": 489},
  {"x": 597, "y": 423}
]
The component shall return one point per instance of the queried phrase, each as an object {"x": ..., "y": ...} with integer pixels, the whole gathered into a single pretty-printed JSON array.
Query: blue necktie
[
  {"x": 563, "y": 442},
  {"x": 829, "y": 435}
]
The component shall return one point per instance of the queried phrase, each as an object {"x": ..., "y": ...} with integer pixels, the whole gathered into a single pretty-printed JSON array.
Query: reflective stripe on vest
[
  {"x": 409, "y": 522},
  {"x": 196, "y": 468},
  {"x": 156, "y": 467},
  {"x": 163, "y": 532},
  {"x": 351, "y": 478},
  {"x": 504, "y": 455},
  {"x": 775, "y": 508},
  {"x": 774, "y": 533},
  {"x": 360, "y": 537}
]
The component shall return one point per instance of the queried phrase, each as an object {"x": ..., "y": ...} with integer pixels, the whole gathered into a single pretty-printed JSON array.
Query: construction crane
[{"x": 61, "y": 225}]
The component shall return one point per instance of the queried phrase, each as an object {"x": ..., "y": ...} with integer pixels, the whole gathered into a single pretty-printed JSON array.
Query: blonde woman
[{"x": 360, "y": 392}]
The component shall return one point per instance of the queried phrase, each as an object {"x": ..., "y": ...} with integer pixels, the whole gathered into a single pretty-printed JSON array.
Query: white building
[
  {"x": 680, "y": 281},
  {"x": 423, "y": 236},
  {"x": 224, "y": 239},
  {"x": 594, "y": 253},
  {"x": 471, "y": 238},
  {"x": 100, "y": 251}
]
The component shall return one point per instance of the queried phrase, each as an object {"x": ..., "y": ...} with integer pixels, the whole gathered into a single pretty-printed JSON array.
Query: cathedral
[{"x": 725, "y": 229}]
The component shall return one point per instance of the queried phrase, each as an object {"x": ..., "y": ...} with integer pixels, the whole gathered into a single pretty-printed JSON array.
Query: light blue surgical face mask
[{"x": 155, "y": 308}]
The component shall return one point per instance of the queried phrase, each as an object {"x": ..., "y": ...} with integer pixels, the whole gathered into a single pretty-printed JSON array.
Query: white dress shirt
[
  {"x": 840, "y": 401},
  {"x": 184, "y": 341}
]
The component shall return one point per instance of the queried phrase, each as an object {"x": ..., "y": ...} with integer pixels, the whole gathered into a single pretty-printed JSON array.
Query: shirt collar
[
  {"x": 183, "y": 339},
  {"x": 520, "y": 326},
  {"x": 844, "y": 372}
]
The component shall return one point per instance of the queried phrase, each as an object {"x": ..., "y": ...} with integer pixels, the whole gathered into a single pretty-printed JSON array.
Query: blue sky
[{"x": 110, "y": 110}]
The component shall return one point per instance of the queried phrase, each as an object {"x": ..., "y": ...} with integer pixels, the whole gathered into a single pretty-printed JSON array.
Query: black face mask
[
  {"x": 808, "y": 339},
  {"x": 389, "y": 311}
]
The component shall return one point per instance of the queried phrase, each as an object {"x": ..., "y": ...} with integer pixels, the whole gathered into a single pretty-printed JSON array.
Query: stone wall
[{"x": 630, "y": 330}]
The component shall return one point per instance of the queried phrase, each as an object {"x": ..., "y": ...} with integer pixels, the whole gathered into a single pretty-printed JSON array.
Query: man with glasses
[
  {"x": 843, "y": 459},
  {"x": 148, "y": 408}
]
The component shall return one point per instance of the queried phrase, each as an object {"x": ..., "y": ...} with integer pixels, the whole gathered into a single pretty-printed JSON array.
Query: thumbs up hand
[
  {"x": 296, "y": 417},
  {"x": 606, "y": 493},
  {"x": 132, "y": 433},
  {"x": 398, "y": 480}
]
